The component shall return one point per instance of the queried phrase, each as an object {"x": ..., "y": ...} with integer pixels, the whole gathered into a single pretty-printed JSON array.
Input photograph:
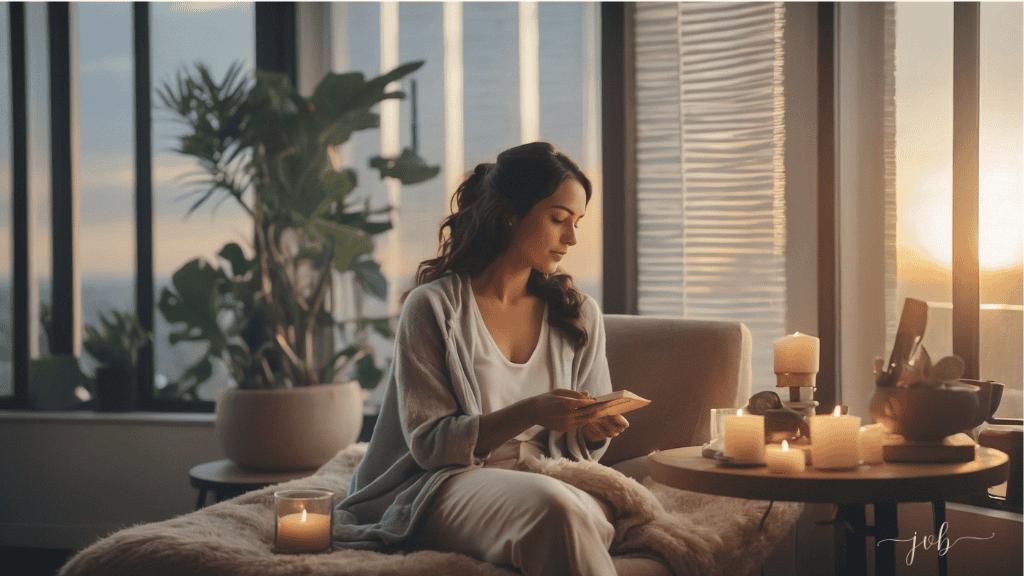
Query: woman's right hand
[{"x": 562, "y": 410}]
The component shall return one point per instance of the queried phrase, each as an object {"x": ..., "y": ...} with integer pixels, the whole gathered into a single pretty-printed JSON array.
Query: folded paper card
[{"x": 619, "y": 402}]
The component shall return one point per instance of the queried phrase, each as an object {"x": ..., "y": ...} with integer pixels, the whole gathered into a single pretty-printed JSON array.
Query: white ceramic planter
[{"x": 288, "y": 429}]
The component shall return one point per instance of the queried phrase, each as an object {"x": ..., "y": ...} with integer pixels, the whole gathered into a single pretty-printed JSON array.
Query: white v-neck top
[{"x": 503, "y": 382}]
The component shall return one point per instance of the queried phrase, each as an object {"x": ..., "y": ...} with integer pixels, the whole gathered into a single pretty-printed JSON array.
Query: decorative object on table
[
  {"x": 1005, "y": 434},
  {"x": 303, "y": 520},
  {"x": 780, "y": 422},
  {"x": 796, "y": 368},
  {"x": 925, "y": 413},
  {"x": 909, "y": 333},
  {"x": 271, "y": 317},
  {"x": 783, "y": 460},
  {"x": 870, "y": 442},
  {"x": 716, "y": 436},
  {"x": 834, "y": 439},
  {"x": 744, "y": 438},
  {"x": 115, "y": 345}
]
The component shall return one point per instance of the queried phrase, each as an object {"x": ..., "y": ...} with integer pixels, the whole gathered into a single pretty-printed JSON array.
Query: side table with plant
[{"x": 268, "y": 316}]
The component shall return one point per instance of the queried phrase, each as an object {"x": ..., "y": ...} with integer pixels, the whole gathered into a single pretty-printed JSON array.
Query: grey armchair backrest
[{"x": 685, "y": 367}]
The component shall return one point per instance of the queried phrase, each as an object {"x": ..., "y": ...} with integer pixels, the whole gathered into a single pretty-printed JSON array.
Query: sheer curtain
[{"x": 710, "y": 191}]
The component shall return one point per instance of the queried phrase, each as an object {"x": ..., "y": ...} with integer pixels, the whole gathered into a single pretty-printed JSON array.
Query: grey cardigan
[{"x": 429, "y": 420}]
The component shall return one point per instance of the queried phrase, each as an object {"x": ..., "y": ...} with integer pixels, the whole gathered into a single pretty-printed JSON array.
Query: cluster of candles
[{"x": 837, "y": 442}]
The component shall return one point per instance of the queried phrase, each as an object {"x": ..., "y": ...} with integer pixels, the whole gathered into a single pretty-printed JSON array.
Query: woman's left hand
[{"x": 604, "y": 427}]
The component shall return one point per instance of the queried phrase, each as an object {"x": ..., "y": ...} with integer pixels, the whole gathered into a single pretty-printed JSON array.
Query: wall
[{"x": 68, "y": 479}]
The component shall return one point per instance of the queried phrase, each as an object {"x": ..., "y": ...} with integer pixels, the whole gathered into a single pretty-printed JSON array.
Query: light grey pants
[{"x": 536, "y": 523}]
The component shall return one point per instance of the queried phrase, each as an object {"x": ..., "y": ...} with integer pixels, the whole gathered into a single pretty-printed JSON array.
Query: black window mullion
[
  {"x": 827, "y": 387},
  {"x": 276, "y": 38},
  {"x": 20, "y": 280},
  {"x": 144, "y": 284},
  {"x": 62, "y": 287},
  {"x": 966, "y": 93},
  {"x": 618, "y": 126}
]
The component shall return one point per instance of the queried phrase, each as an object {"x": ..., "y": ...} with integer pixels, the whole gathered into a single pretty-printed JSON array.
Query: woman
[{"x": 497, "y": 357}]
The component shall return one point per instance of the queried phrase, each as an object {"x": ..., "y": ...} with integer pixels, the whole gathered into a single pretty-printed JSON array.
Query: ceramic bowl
[{"x": 926, "y": 414}]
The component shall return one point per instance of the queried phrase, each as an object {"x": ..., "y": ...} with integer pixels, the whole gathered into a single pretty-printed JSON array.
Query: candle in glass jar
[
  {"x": 305, "y": 532},
  {"x": 835, "y": 440},
  {"x": 796, "y": 354},
  {"x": 872, "y": 440},
  {"x": 744, "y": 438},
  {"x": 782, "y": 460}
]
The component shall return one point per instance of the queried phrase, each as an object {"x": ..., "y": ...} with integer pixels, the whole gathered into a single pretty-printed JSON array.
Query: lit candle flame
[
  {"x": 303, "y": 514},
  {"x": 739, "y": 412},
  {"x": 838, "y": 411},
  {"x": 785, "y": 446}
]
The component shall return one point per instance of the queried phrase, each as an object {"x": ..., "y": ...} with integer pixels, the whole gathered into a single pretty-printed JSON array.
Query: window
[
  {"x": 710, "y": 183},
  {"x": 182, "y": 34},
  {"x": 924, "y": 151},
  {"x": 559, "y": 41}
]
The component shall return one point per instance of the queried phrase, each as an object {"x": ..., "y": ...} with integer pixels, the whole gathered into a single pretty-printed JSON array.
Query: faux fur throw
[{"x": 691, "y": 533}]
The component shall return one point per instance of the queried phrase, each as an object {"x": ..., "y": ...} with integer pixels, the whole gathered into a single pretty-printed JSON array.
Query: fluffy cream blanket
[{"x": 691, "y": 533}]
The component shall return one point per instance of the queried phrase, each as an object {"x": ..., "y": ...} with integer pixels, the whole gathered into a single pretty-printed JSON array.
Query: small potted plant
[{"x": 115, "y": 345}]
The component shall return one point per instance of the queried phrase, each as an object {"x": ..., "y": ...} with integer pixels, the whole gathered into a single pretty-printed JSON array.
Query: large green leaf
[
  {"x": 341, "y": 129},
  {"x": 409, "y": 168},
  {"x": 369, "y": 276},
  {"x": 240, "y": 265},
  {"x": 374, "y": 90},
  {"x": 349, "y": 242},
  {"x": 196, "y": 302}
]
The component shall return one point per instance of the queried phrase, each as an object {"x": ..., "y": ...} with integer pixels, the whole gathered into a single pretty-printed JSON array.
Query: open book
[{"x": 619, "y": 402}]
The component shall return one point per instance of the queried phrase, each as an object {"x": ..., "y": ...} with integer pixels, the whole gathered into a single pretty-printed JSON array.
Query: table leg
[
  {"x": 851, "y": 552},
  {"x": 939, "y": 517},
  {"x": 886, "y": 530},
  {"x": 201, "y": 501}
]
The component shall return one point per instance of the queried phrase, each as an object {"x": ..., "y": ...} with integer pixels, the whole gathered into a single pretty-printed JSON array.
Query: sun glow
[{"x": 1000, "y": 231}]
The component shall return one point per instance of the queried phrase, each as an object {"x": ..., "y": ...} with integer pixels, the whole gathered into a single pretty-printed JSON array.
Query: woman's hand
[
  {"x": 562, "y": 410},
  {"x": 606, "y": 427}
]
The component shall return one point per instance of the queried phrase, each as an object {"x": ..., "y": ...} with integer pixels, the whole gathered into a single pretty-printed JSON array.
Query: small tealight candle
[
  {"x": 303, "y": 520},
  {"x": 744, "y": 438},
  {"x": 835, "y": 441},
  {"x": 782, "y": 460},
  {"x": 872, "y": 440}
]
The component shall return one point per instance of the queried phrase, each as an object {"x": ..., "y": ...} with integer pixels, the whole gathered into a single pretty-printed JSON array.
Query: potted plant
[
  {"x": 55, "y": 381},
  {"x": 115, "y": 345},
  {"x": 268, "y": 316}
]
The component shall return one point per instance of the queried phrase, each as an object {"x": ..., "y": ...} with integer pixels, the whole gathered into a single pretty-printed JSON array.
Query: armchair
[{"x": 684, "y": 367}]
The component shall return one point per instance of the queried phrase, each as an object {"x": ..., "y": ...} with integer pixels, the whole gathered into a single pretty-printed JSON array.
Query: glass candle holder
[
  {"x": 303, "y": 520},
  {"x": 717, "y": 436}
]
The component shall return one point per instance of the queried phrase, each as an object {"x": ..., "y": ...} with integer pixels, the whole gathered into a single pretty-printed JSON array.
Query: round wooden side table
[
  {"x": 881, "y": 485},
  {"x": 226, "y": 480}
]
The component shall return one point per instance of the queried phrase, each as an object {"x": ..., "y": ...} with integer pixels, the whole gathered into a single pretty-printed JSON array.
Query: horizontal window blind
[{"x": 710, "y": 190}]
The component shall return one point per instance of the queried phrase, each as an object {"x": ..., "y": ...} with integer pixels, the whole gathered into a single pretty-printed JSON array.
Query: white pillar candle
[
  {"x": 782, "y": 460},
  {"x": 835, "y": 441},
  {"x": 796, "y": 354},
  {"x": 872, "y": 439},
  {"x": 744, "y": 438},
  {"x": 303, "y": 532}
]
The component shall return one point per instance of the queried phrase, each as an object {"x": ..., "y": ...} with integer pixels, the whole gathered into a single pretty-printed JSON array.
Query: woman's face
[{"x": 544, "y": 235}]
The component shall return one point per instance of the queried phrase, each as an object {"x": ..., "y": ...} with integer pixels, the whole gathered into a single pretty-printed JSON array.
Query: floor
[{"x": 33, "y": 561}]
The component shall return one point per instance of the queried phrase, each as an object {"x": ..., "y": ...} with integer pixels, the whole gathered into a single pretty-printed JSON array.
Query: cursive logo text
[{"x": 939, "y": 540}]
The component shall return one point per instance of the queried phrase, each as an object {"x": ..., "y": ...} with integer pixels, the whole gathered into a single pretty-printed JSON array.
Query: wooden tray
[{"x": 955, "y": 448}]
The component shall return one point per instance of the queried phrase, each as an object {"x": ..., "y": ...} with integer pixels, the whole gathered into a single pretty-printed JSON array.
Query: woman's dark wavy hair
[{"x": 479, "y": 230}]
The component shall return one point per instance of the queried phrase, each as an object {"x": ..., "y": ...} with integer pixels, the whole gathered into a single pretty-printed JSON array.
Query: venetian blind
[{"x": 710, "y": 190}]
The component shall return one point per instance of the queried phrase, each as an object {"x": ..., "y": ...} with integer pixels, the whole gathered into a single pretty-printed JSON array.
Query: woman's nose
[{"x": 570, "y": 238}]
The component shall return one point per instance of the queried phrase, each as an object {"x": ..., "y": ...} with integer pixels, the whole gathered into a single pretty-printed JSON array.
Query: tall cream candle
[
  {"x": 796, "y": 353},
  {"x": 835, "y": 441}
]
